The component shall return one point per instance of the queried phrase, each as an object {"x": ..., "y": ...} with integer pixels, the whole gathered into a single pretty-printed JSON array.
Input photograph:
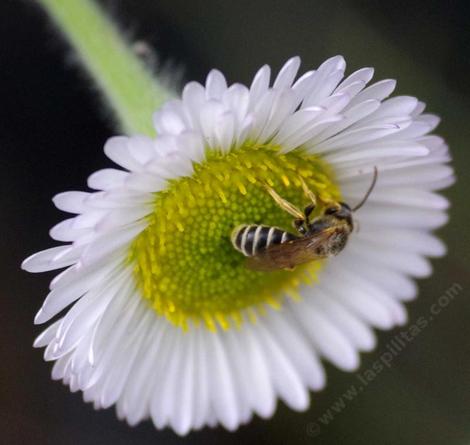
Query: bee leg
[
  {"x": 308, "y": 211},
  {"x": 299, "y": 226},
  {"x": 284, "y": 204},
  {"x": 308, "y": 193}
]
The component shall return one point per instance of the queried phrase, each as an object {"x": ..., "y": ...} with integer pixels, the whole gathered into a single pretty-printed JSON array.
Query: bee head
[{"x": 339, "y": 211}]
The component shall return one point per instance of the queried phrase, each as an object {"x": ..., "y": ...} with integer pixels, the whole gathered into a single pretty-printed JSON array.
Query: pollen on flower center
[{"x": 184, "y": 262}]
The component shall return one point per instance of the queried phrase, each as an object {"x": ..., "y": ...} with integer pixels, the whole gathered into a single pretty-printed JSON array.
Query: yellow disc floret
[{"x": 184, "y": 262}]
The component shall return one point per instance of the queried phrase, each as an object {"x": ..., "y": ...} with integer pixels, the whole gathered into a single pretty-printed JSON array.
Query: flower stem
[{"x": 128, "y": 86}]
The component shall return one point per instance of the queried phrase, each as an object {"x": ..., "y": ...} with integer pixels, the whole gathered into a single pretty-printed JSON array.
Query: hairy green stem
[{"x": 128, "y": 86}]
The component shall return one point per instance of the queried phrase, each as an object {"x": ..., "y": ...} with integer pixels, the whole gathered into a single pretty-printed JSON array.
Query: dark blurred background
[{"x": 51, "y": 138}]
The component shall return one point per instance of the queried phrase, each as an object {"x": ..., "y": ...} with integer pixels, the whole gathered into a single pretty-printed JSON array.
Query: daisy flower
[{"x": 157, "y": 313}]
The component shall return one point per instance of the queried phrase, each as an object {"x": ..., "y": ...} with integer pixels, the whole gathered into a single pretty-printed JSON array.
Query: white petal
[
  {"x": 397, "y": 106},
  {"x": 286, "y": 379},
  {"x": 109, "y": 242},
  {"x": 60, "y": 297},
  {"x": 287, "y": 74},
  {"x": 410, "y": 263},
  {"x": 260, "y": 389},
  {"x": 215, "y": 85},
  {"x": 294, "y": 344},
  {"x": 44, "y": 260},
  {"x": 170, "y": 119},
  {"x": 393, "y": 282},
  {"x": 201, "y": 399},
  {"x": 221, "y": 391},
  {"x": 363, "y": 75},
  {"x": 106, "y": 179},
  {"x": 72, "y": 202},
  {"x": 65, "y": 231},
  {"x": 117, "y": 149},
  {"x": 47, "y": 335},
  {"x": 260, "y": 85},
  {"x": 351, "y": 116},
  {"x": 329, "y": 341},
  {"x": 378, "y": 91},
  {"x": 237, "y": 99},
  {"x": 352, "y": 327},
  {"x": 359, "y": 301},
  {"x": 406, "y": 240}
]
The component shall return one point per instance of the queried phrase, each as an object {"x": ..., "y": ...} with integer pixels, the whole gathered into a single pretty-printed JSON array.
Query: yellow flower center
[{"x": 184, "y": 262}]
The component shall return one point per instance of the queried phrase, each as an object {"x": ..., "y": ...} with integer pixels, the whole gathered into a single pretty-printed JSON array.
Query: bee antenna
[{"x": 369, "y": 191}]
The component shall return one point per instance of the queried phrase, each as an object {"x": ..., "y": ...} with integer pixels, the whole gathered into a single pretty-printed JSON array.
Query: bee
[{"x": 270, "y": 248}]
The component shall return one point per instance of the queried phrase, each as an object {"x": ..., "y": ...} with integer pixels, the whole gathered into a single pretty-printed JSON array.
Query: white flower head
[{"x": 165, "y": 320}]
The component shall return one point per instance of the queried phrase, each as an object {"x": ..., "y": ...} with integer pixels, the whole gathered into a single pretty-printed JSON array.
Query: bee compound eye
[{"x": 331, "y": 210}]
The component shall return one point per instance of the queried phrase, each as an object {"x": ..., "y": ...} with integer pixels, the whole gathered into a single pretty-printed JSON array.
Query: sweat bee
[{"x": 270, "y": 248}]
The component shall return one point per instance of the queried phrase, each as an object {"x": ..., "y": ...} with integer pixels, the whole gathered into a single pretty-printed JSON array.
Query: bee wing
[{"x": 289, "y": 254}]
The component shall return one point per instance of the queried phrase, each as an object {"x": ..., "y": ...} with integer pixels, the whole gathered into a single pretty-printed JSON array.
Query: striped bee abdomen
[{"x": 250, "y": 239}]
